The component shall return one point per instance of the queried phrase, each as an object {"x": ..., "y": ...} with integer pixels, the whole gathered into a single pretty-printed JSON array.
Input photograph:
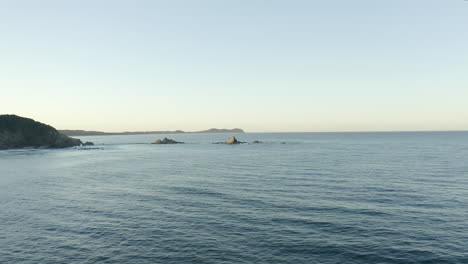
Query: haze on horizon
[{"x": 274, "y": 66}]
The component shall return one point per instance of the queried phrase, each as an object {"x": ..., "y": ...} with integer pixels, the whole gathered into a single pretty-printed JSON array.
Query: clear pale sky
[{"x": 361, "y": 65}]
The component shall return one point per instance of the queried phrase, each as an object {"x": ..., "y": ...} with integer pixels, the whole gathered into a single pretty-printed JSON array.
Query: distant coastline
[{"x": 69, "y": 132}]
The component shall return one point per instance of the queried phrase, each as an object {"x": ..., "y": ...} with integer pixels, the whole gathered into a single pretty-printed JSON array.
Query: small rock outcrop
[
  {"x": 257, "y": 142},
  {"x": 87, "y": 143},
  {"x": 231, "y": 141},
  {"x": 166, "y": 141},
  {"x": 20, "y": 132}
]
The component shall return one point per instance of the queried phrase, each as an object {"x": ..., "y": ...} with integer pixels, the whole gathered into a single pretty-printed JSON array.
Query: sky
[{"x": 259, "y": 65}]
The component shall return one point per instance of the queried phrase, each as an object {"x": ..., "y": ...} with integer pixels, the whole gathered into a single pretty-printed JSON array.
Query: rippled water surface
[{"x": 319, "y": 198}]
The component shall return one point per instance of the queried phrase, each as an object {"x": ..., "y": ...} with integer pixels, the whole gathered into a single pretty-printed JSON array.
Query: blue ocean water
[{"x": 319, "y": 198}]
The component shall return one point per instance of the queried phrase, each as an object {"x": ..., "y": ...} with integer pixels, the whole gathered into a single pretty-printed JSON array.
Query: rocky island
[
  {"x": 231, "y": 141},
  {"x": 20, "y": 132},
  {"x": 167, "y": 141}
]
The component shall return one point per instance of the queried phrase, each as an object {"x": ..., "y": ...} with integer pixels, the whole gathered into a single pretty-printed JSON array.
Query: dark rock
[
  {"x": 20, "y": 132},
  {"x": 87, "y": 143},
  {"x": 257, "y": 142},
  {"x": 88, "y": 148},
  {"x": 166, "y": 141}
]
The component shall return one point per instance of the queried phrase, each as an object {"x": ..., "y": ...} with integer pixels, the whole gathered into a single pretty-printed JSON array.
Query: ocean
[{"x": 397, "y": 197}]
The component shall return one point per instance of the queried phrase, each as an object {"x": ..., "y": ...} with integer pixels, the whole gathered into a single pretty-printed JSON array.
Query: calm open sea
[{"x": 319, "y": 198}]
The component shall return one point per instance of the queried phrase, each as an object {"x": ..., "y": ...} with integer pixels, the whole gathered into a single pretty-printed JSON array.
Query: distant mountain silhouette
[
  {"x": 216, "y": 130},
  {"x": 99, "y": 133}
]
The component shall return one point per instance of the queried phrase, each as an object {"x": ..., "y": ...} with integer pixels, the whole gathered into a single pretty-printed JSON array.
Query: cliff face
[{"x": 20, "y": 132}]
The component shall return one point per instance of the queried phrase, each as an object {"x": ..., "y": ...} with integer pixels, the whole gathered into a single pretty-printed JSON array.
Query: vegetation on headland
[{"x": 20, "y": 132}]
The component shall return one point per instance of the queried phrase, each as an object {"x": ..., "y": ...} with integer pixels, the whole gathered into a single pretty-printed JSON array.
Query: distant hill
[
  {"x": 99, "y": 133},
  {"x": 216, "y": 130},
  {"x": 20, "y": 132}
]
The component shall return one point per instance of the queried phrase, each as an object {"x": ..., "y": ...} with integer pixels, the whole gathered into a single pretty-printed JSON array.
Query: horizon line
[{"x": 246, "y": 132}]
